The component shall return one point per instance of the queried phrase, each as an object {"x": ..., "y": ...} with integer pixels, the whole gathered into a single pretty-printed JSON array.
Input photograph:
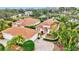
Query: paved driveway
[{"x": 42, "y": 45}]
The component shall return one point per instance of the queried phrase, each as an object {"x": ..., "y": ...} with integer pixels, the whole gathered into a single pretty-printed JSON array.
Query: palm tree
[
  {"x": 67, "y": 38},
  {"x": 72, "y": 25},
  {"x": 15, "y": 42},
  {"x": 18, "y": 39},
  {"x": 64, "y": 18}
]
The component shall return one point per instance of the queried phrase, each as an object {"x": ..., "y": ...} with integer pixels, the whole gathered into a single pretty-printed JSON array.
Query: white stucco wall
[
  {"x": 46, "y": 26},
  {"x": 8, "y": 36},
  {"x": 34, "y": 37},
  {"x": 39, "y": 29}
]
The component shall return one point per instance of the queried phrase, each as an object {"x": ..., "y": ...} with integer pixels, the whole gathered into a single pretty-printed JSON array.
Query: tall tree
[{"x": 3, "y": 25}]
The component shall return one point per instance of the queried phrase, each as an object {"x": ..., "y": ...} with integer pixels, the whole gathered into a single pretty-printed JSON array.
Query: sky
[
  {"x": 29, "y": 8},
  {"x": 38, "y": 3},
  {"x": 22, "y": 7}
]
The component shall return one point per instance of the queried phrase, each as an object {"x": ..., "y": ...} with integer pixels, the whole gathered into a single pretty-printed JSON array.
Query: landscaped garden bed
[
  {"x": 50, "y": 37},
  {"x": 18, "y": 43}
]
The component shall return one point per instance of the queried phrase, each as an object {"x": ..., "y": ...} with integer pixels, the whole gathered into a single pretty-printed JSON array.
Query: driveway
[{"x": 42, "y": 45}]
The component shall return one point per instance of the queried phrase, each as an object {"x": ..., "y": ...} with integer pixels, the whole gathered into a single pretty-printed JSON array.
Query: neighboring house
[
  {"x": 74, "y": 20},
  {"x": 67, "y": 12},
  {"x": 28, "y": 13},
  {"x": 14, "y": 17},
  {"x": 26, "y": 33},
  {"x": 19, "y": 15},
  {"x": 45, "y": 27},
  {"x": 25, "y": 22}
]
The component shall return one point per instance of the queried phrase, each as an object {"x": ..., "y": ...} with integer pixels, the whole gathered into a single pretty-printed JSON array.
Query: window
[{"x": 46, "y": 29}]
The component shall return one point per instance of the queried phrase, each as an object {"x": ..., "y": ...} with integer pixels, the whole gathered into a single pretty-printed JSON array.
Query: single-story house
[
  {"x": 25, "y": 22},
  {"x": 47, "y": 25},
  {"x": 26, "y": 33},
  {"x": 14, "y": 17},
  {"x": 74, "y": 20}
]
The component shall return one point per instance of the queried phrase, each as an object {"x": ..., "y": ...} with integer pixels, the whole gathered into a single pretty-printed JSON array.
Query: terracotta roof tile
[
  {"x": 47, "y": 22},
  {"x": 27, "y": 21},
  {"x": 25, "y": 32}
]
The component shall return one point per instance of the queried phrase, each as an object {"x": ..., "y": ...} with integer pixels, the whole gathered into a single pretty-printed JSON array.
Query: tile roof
[
  {"x": 27, "y": 21},
  {"x": 25, "y": 32},
  {"x": 47, "y": 22}
]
